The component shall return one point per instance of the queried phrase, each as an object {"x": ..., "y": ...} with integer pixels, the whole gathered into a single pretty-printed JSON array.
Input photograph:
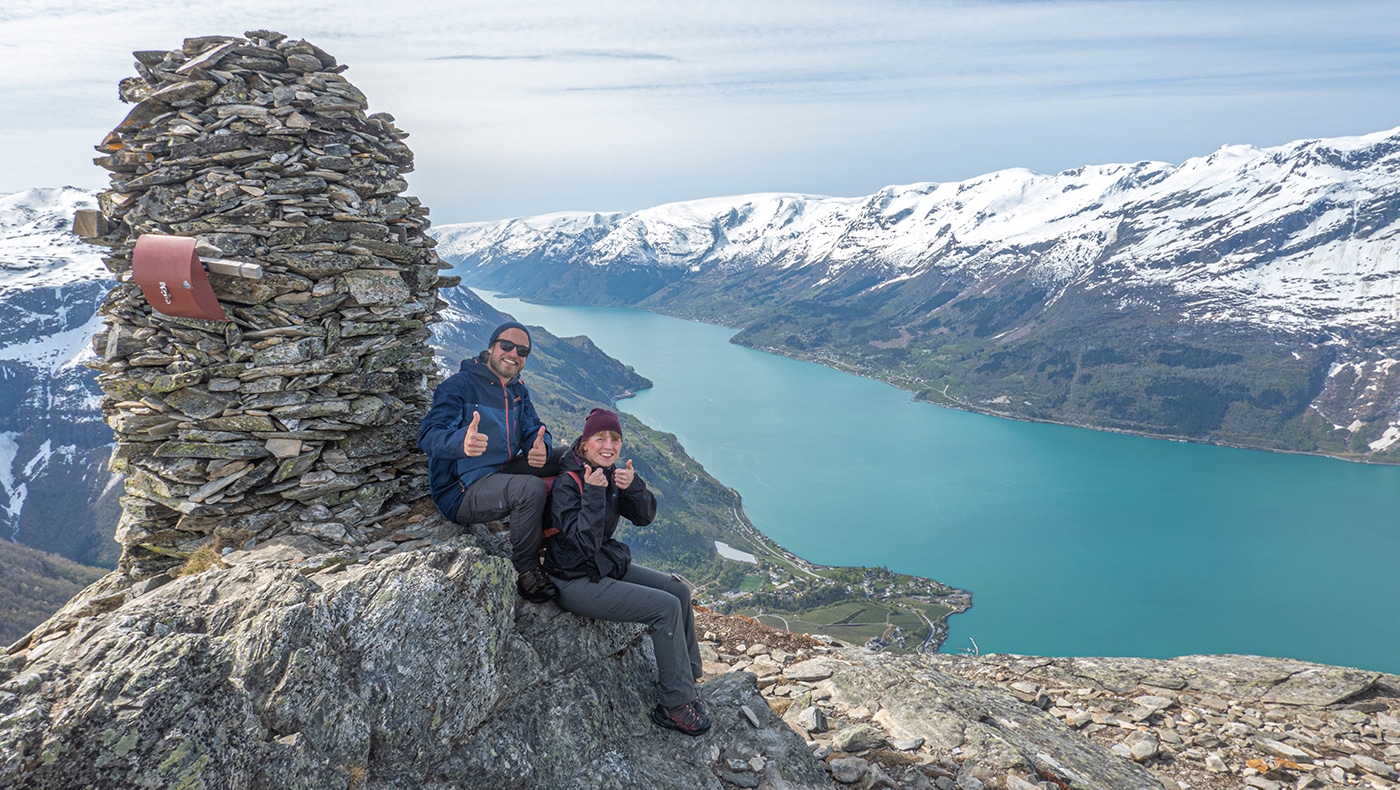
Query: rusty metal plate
[{"x": 172, "y": 278}]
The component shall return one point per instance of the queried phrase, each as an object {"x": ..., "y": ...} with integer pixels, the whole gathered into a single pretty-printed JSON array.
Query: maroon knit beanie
[{"x": 601, "y": 420}]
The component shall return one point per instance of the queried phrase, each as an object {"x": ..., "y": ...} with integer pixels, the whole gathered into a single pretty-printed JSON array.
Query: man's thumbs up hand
[
  {"x": 474, "y": 443},
  {"x": 539, "y": 451}
]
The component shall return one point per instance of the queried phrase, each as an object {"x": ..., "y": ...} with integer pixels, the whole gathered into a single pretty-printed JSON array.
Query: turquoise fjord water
[{"x": 1073, "y": 542}]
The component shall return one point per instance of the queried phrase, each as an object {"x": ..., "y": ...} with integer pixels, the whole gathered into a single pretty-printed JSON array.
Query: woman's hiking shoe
[
  {"x": 689, "y": 718},
  {"x": 535, "y": 587}
]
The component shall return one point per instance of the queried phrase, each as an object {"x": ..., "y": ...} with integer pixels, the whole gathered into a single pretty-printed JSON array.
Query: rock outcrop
[
  {"x": 417, "y": 669},
  {"x": 1019, "y": 722},
  {"x": 413, "y": 664},
  {"x": 1215, "y": 721},
  {"x": 297, "y": 415}
]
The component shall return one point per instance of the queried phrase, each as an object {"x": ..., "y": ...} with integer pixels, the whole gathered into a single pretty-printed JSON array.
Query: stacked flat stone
[{"x": 299, "y": 414}]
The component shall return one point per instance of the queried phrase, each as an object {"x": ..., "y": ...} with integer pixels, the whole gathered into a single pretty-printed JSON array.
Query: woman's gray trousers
[{"x": 660, "y": 600}]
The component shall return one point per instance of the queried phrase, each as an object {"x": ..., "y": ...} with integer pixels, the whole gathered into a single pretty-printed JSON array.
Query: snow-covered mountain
[
  {"x": 53, "y": 443},
  {"x": 1300, "y": 236},
  {"x": 1228, "y": 254}
]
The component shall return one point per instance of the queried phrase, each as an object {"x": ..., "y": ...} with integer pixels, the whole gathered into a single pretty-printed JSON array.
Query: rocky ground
[
  {"x": 1201, "y": 722},
  {"x": 423, "y": 595},
  {"x": 1196, "y": 723}
]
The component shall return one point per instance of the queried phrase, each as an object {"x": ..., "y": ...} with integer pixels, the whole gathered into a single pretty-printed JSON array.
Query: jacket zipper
[{"x": 510, "y": 451}]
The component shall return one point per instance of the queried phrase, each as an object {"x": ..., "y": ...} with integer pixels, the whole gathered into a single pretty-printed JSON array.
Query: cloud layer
[{"x": 542, "y": 105}]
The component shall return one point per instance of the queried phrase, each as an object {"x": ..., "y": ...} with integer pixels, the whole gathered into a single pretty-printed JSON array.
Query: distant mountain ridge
[
  {"x": 53, "y": 443},
  {"x": 1246, "y": 297},
  {"x": 414, "y": 664}
]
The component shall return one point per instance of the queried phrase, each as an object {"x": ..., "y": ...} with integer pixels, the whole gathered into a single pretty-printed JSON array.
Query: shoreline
[
  {"x": 955, "y": 599},
  {"x": 964, "y": 406}
]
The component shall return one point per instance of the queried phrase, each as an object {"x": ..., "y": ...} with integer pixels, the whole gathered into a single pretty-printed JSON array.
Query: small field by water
[{"x": 901, "y": 624}]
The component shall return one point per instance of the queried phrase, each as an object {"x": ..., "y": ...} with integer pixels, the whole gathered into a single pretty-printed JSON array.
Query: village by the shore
[{"x": 874, "y": 607}]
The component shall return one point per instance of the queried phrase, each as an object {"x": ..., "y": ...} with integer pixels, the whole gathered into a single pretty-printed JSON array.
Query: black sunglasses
[{"x": 520, "y": 351}]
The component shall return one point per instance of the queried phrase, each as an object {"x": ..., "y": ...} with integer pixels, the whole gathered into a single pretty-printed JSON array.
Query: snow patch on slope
[
  {"x": 15, "y": 494},
  {"x": 52, "y": 353},
  {"x": 1297, "y": 236},
  {"x": 37, "y": 248}
]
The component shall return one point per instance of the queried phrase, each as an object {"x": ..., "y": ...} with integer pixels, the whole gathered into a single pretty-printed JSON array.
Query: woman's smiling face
[{"x": 602, "y": 448}]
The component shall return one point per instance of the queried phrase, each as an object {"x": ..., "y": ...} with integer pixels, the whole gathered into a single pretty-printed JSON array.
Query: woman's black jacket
[{"x": 586, "y": 520}]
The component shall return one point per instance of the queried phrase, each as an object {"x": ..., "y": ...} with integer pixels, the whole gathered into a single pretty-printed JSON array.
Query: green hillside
[{"x": 33, "y": 585}]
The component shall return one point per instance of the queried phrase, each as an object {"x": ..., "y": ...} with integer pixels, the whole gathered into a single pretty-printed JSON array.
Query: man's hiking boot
[
  {"x": 535, "y": 587},
  {"x": 689, "y": 718}
]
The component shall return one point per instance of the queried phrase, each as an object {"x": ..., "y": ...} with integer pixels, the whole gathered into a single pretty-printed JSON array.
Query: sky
[{"x": 525, "y": 107}]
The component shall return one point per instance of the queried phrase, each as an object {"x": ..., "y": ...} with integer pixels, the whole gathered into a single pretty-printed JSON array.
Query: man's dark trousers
[{"x": 516, "y": 492}]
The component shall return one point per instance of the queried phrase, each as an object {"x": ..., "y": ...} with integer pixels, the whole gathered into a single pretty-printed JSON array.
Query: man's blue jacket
[{"x": 507, "y": 418}]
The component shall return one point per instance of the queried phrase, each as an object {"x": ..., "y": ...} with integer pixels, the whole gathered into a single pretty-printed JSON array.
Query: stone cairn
[{"x": 298, "y": 415}]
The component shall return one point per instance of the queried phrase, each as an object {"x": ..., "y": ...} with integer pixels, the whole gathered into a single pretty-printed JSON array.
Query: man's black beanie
[{"x": 503, "y": 327}]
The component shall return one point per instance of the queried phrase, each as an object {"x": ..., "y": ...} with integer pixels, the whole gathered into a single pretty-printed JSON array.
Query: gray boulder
[
  {"x": 422, "y": 669},
  {"x": 987, "y": 729}
]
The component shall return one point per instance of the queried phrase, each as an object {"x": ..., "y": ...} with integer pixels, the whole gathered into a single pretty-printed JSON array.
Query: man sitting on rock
[{"x": 487, "y": 449}]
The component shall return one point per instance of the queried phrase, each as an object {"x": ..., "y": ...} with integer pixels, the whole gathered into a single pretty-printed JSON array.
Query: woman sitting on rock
[{"x": 595, "y": 574}]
